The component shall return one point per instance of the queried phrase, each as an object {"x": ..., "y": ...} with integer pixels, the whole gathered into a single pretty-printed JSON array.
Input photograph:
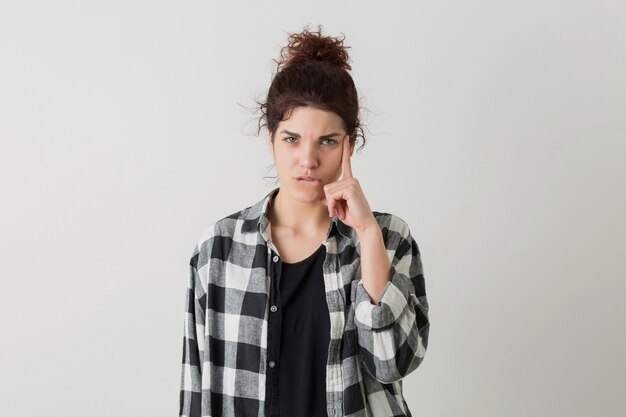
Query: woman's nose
[{"x": 308, "y": 155}]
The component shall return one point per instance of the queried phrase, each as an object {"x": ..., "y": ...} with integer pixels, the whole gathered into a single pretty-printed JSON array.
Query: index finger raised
[{"x": 346, "y": 167}]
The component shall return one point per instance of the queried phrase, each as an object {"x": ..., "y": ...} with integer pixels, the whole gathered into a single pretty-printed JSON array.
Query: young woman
[{"x": 307, "y": 303}]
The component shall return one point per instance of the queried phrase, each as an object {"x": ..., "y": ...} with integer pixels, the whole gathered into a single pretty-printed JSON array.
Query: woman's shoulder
[
  {"x": 228, "y": 226},
  {"x": 396, "y": 234},
  {"x": 390, "y": 222}
]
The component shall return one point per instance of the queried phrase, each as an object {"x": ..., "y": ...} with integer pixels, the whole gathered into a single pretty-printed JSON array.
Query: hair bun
[{"x": 313, "y": 46}]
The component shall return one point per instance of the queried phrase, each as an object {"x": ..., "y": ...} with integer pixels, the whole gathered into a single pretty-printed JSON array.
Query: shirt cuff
[{"x": 391, "y": 305}]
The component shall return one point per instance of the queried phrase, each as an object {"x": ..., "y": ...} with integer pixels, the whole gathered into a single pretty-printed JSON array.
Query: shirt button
[
  {"x": 272, "y": 364},
  {"x": 273, "y": 308},
  {"x": 275, "y": 258}
]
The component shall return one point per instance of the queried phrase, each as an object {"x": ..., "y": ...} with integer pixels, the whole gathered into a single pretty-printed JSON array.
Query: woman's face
[{"x": 310, "y": 143}]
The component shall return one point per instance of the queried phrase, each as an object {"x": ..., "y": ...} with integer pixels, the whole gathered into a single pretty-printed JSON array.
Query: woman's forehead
[{"x": 311, "y": 121}]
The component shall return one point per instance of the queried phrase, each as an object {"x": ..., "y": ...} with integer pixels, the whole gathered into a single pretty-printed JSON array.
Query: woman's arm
[
  {"x": 375, "y": 264},
  {"x": 193, "y": 345},
  {"x": 392, "y": 332}
]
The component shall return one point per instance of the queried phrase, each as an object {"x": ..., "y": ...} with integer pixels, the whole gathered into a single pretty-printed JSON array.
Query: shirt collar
[{"x": 256, "y": 219}]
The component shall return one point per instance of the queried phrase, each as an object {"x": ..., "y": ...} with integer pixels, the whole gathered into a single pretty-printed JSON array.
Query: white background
[{"x": 496, "y": 129}]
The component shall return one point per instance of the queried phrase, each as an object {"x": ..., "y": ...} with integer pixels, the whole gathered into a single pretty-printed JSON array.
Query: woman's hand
[{"x": 345, "y": 196}]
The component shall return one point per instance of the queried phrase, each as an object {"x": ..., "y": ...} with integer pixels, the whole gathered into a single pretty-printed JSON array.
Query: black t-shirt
[{"x": 305, "y": 335}]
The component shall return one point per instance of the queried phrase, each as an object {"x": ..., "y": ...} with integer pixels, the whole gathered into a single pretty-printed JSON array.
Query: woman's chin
[{"x": 308, "y": 194}]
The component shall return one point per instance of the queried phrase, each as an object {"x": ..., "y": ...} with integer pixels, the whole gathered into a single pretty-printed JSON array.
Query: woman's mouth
[{"x": 308, "y": 180}]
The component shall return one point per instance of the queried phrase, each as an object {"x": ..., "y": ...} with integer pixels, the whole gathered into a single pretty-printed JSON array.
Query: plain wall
[{"x": 496, "y": 129}]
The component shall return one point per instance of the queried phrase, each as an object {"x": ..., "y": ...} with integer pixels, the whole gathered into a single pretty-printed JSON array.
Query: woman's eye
[{"x": 330, "y": 141}]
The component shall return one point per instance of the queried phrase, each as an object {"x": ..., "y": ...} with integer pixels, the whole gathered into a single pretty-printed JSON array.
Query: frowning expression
[{"x": 309, "y": 143}]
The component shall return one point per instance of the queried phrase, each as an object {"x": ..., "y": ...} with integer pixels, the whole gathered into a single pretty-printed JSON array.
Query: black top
[{"x": 304, "y": 337}]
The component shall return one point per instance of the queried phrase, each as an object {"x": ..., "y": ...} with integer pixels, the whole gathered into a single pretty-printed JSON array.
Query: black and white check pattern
[{"x": 372, "y": 346}]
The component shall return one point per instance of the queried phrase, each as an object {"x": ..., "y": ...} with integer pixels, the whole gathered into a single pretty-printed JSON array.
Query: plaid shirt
[{"x": 372, "y": 347}]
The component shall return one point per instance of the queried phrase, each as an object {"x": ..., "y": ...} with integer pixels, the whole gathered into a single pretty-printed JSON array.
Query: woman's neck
[{"x": 285, "y": 212}]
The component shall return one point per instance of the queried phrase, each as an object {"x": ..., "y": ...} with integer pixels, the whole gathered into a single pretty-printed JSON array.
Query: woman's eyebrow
[{"x": 330, "y": 135}]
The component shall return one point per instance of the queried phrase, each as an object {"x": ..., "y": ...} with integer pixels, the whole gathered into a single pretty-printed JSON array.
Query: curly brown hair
[{"x": 312, "y": 71}]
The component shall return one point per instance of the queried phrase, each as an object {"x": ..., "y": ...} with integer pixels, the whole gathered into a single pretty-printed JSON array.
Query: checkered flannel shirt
[{"x": 372, "y": 346}]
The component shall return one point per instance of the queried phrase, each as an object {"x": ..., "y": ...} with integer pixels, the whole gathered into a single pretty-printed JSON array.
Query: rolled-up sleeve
[
  {"x": 393, "y": 334},
  {"x": 193, "y": 345}
]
